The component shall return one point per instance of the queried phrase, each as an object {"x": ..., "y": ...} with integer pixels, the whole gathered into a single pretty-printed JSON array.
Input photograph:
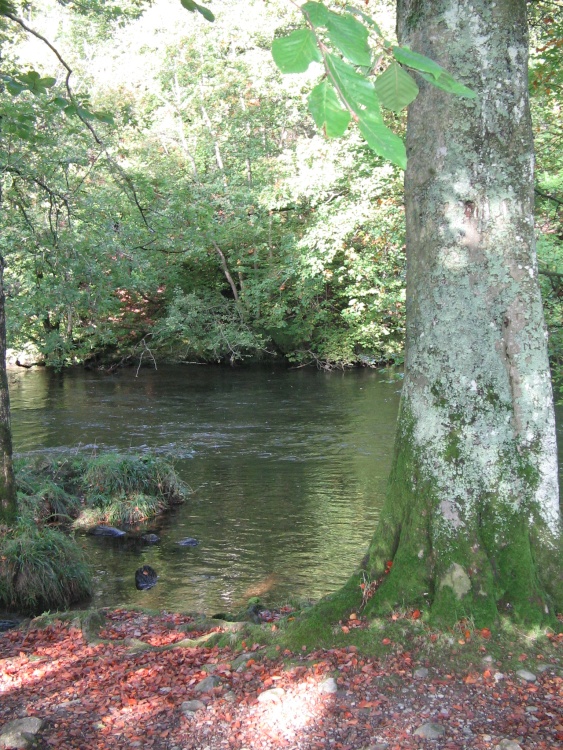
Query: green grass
[
  {"x": 109, "y": 488},
  {"x": 41, "y": 569}
]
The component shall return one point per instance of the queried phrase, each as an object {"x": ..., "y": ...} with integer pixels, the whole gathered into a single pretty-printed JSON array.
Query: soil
[{"x": 140, "y": 684}]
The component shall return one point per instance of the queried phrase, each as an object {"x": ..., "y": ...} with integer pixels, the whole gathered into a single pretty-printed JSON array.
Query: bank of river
[{"x": 288, "y": 469}]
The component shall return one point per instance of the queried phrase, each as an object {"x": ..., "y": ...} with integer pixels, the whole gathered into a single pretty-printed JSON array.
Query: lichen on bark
[{"x": 473, "y": 498}]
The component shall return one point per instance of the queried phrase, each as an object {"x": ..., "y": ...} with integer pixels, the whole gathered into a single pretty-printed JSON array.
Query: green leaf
[
  {"x": 417, "y": 62},
  {"x": 448, "y": 83},
  {"x": 13, "y": 87},
  {"x": 7, "y": 8},
  {"x": 60, "y": 101},
  {"x": 327, "y": 111},
  {"x": 350, "y": 37},
  {"x": 195, "y": 7},
  {"x": 382, "y": 140},
  {"x": 365, "y": 18},
  {"x": 358, "y": 93},
  {"x": 106, "y": 117},
  {"x": 395, "y": 88},
  {"x": 294, "y": 53},
  {"x": 33, "y": 82},
  {"x": 316, "y": 13}
]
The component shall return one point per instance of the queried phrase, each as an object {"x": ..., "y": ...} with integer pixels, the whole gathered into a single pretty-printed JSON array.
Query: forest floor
[{"x": 138, "y": 682}]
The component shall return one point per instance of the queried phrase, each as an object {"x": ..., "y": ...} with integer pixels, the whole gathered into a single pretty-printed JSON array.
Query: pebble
[
  {"x": 421, "y": 674},
  {"x": 20, "y": 733},
  {"x": 498, "y": 676},
  {"x": 508, "y": 745},
  {"x": 430, "y": 731},
  {"x": 328, "y": 686},
  {"x": 274, "y": 695},
  {"x": 192, "y": 706},
  {"x": 523, "y": 674},
  {"x": 207, "y": 684}
]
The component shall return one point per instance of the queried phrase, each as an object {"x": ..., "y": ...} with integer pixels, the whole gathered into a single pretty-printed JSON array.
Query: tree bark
[
  {"x": 8, "y": 506},
  {"x": 472, "y": 519}
]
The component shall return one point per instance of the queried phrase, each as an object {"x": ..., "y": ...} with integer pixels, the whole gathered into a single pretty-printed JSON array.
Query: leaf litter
[{"x": 104, "y": 695}]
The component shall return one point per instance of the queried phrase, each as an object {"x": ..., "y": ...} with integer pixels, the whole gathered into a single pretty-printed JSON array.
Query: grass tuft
[{"x": 41, "y": 569}]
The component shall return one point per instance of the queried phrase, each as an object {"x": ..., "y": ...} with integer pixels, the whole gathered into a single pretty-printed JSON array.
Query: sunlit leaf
[
  {"x": 316, "y": 13},
  {"x": 356, "y": 90},
  {"x": 365, "y": 18},
  {"x": 294, "y": 53},
  {"x": 382, "y": 140},
  {"x": 195, "y": 7},
  {"x": 327, "y": 110},
  {"x": 395, "y": 88},
  {"x": 350, "y": 37},
  {"x": 417, "y": 62},
  {"x": 448, "y": 83}
]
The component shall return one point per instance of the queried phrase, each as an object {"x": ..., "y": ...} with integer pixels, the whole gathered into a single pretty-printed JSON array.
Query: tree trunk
[
  {"x": 8, "y": 508},
  {"x": 472, "y": 518}
]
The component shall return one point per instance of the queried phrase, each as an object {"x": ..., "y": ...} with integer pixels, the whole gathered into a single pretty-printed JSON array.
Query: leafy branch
[{"x": 347, "y": 92}]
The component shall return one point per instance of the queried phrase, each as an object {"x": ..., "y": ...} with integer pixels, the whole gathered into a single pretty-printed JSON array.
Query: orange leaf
[
  {"x": 353, "y": 616},
  {"x": 345, "y": 629},
  {"x": 386, "y": 641},
  {"x": 416, "y": 614},
  {"x": 485, "y": 633}
]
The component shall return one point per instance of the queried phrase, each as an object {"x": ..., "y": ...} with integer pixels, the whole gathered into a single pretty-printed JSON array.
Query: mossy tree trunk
[
  {"x": 472, "y": 518},
  {"x": 8, "y": 508}
]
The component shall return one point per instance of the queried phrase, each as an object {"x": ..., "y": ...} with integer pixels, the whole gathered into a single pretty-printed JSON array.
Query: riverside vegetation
[{"x": 202, "y": 219}]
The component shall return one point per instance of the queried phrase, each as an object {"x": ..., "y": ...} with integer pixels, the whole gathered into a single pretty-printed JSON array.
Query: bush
[{"x": 41, "y": 569}]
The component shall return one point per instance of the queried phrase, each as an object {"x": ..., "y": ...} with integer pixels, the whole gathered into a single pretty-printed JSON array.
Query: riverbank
[{"x": 168, "y": 681}]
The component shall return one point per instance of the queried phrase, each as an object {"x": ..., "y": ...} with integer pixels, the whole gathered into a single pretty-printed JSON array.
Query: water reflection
[{"x": 288, "y": 470}]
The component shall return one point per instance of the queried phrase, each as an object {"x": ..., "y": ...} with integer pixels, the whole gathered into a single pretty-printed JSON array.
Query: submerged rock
[
  {"x": 145, "y": 578},
  {"x": 107, "y": 531},
  {"x": 150, "y": 538},
  {"x": 188, "y": 542}
]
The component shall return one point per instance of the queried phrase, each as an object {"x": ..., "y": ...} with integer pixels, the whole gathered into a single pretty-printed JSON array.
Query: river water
[{"x": 287, "y": 467}]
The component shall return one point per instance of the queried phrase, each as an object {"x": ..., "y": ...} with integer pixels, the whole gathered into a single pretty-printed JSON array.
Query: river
[{"x": 287, "y": 467}]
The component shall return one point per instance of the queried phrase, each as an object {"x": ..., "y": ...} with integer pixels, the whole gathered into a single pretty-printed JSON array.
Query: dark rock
[
  {"x": 188, "y": 542},
  {"x": 145, "y": 578},
  {"x": 7, "y": 625},
  {"x": 150, "y": 538},
  {"x": 107, "y": 531}
]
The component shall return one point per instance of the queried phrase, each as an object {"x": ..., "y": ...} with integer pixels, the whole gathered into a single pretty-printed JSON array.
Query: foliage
[
  {"x": 41, "y": 568},
  {"x": 208, "y": 221}
]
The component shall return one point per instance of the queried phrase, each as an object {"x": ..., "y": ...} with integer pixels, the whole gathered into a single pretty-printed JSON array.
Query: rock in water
[
  {"x": 188, "y": 542},
  {"x": 145, "y": 578},
  {"x": 150, "y": 538},
  {"x": 107, "y": 531}
]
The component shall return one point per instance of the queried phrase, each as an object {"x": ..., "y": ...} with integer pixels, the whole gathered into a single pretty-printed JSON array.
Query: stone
[
  {"x": 421, "y": 673},
  {"x": 192, "y": 706},
  {"x": 207, "y": 684},
  {"x": 523, "y": 674},
  {"x": 508, "y": 745},
  {"x": 150, "y": 538},
  {"x": 328, "y": 686},
  {"x": 239, "y": 664},
  {"x": 107, "y": 531},
  {"x": 274, "y": 695},
  {"x": 188, "y": 542},
  {"x": 20, "y": 733},
  {"x": 145, "y": 578},
  {"x": 430, "y": 731}
]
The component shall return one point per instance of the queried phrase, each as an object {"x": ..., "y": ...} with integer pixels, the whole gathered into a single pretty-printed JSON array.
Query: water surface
[{"x": 288, "y": 469}]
